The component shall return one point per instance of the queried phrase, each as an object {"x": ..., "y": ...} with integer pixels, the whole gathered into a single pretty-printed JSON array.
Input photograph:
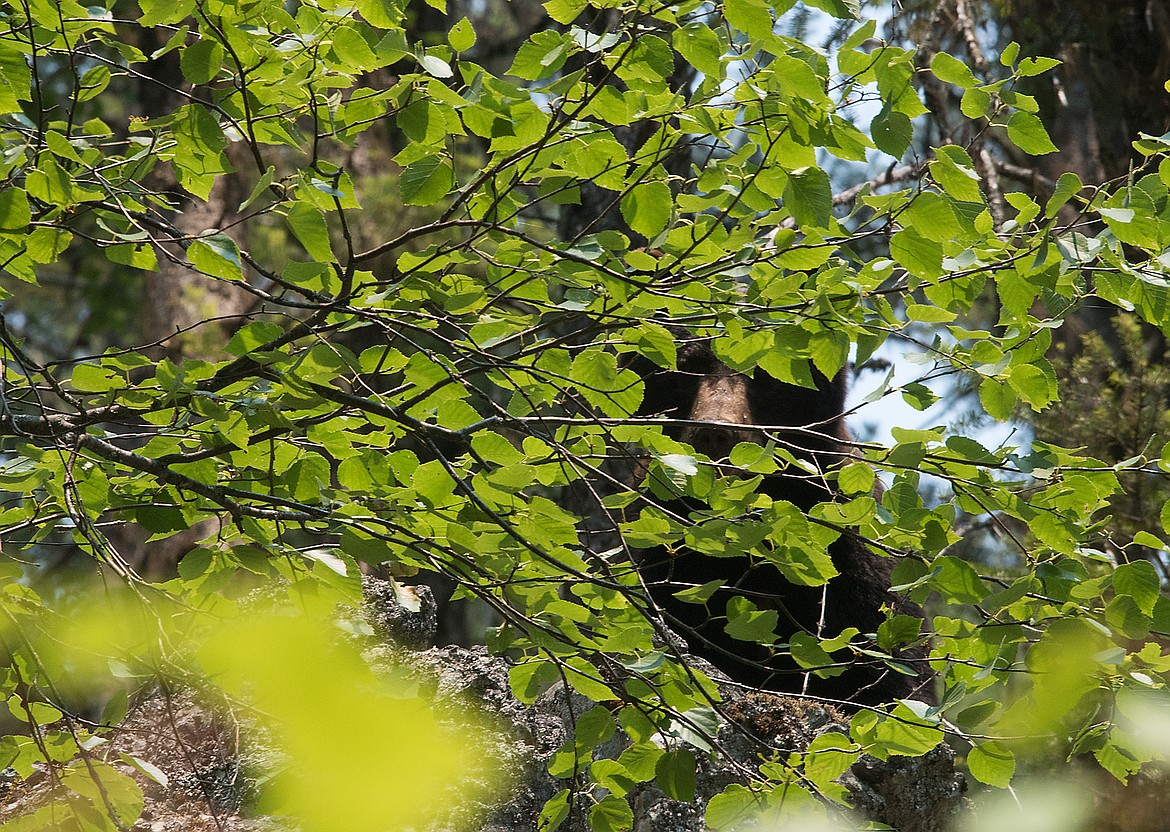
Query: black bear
[{"x": 701, "y": 391}]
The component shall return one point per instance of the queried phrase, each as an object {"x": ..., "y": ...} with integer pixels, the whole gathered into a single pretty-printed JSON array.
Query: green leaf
[
  {"x": 957, "y": 581},
  {"x": 288, "y": 669},
  {"x": 611, "y": 814},
  {"x": 421, "y": 122},
  {"x": 919, "y": 396},
  {"x": 953, "y": 170},
  {"x": 700, "y": 47},
  {"x": 901, "y": 733},
  {"x": 496, "y": 449},
  {"x": 262, "y": 186},
  {"x": 198, "y": 157},
  {"x": 953, "y": 71},
  {"x": 94, "y": 82},
  {"x": 805, "y": 563},
  {"x": 731, "y": 807},
  {"x": 991, "y": 763},
  {"x": 426, "y": 181},
  {"x": 15, "y": 78},
  {"x": 164, "y": 12},
  {"x": 93, "y": 378},
  {"x": 308, "y": 225},
  {"x": 976, "y": 103},
  {"x": 860, "y": 35},
  {"x": 104, "y": 785},
  {"x": 38, "y": 713},
  {"x": 1035, "y": 385},
  {"x": 856, "y": 478},
  {"x": 15, "y": 215},
  {"x": 612, "y": 775},
  {"x": 927, "y": 313},
  {"x": 1027, "y": 132},
  {"x": 433, "y": 484},
  {"x": 807, "y": 652},
  {"x": 462, "y": 36},
  {"x": 898, "y": 630},
  {"x": 700, "y": 594},
  {"x": 746, "y": 622},
  {"x": 1123, "y": 615},
  {"x": 93, "y": 487},
  {"x": 655, "y": 342},
  {"x": 919, "y": 256},
  {"x": 808, "y": 196},
  {"x": 585, "y": 679},
  {"x": 798, "y": 79},
  {"x": 592, "y": 728},
  {"x": 1119, "y": 762},
  {"x": 892, "y": 132},
  {"x": 353, "y": 51},
  {"x": 116, "y": 708},
  {"x": 541, "y": 55},
  {"x": 201, "y": 60},
  {"x": 51, "y": 183},
  {"x": 675, "y": 774},
  {"x": 216, "y": 254},
  {"x": 752, "y": 17},
  {"x": 1066, "y": 186},
  {"x": 933, "y": 216},
  {"x": 384, "y": 14},
  {"x": 648, "y": 530},
  {"x": 60, "y": 146},
  {"x": 1165, "y": 512},
  {"x": 845, "y": 9},
  {"x": 614, "y": 391},
  {"x": 647, "y": 208},
  {"x": 1139, "y": 581},
  {"x": 829, "y": 351},
  {"x": 565, "y": 11},
  {"x": 829, "y": 756},
  {"x": 393, "y": 46},
  {"x": 640, "y": 759},
  {"x": 137, "y": 257},
  {"x": 554, "y": 813},
  {"x": 253, "y": 336},
  {"x": 1036, "y": 66}
]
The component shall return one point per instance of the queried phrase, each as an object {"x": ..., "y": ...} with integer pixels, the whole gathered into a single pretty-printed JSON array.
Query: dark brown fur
[{"x": 704, "y": 390}]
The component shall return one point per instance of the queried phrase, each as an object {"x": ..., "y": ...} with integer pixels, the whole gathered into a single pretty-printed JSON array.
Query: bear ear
[{"x": 695, "y": 356}]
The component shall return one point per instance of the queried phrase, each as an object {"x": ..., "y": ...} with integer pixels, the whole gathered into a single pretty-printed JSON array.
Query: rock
[
  {"x": 912, "y": 794},
  {"x": 400, "y": 614}
]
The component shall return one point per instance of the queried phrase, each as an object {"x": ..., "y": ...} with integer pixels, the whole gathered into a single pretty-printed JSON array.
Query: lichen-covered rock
[
  {"x": 401, "y": 614},
  {"x": 458, "y": 681},
  {"x": 911, "y": 794}
]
